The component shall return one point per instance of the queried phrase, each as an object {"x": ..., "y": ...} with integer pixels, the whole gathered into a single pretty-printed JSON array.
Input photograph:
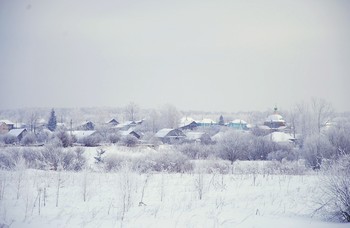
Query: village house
[
  {"x": 201, "y": 137},
  {"x": 18, "y": 133},
  {"x": 112, "y": 122},
  {"x": 206, "y": 123},
  {"x": 187, "y": 123},
  {"x": 168, "y": 135},
  {"x": 238, "y": 124},
  {"x": 130, "y": 132},
  {"x": 6, "y": 126}
]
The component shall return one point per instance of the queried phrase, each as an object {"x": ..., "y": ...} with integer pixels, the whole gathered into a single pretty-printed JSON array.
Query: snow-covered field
[{"x": 33, "y": 198}]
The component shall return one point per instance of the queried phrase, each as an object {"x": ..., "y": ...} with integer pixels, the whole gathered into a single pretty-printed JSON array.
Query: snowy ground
[{"x": 170, "y": 200}]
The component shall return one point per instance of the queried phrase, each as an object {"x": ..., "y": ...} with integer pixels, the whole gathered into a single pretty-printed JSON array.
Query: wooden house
[
  {"x": 168, "y": 135},
  {"x": 6, "y": 126},
  {"x": 18, "y": 133}
]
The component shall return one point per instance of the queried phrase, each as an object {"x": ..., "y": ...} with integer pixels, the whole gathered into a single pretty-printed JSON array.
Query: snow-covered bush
[
  {"x": 28, "y": 139},
  {"x": 196, "y": 150},
  {"x": 213, "y": 166},
  {"x": 172, "y": 161},
  {"x": 34, "y": 158},
  {"x": 114, "y": 138},
  {"x": 335, "y": 203},
  {"x": 9, "y": 139},
  {"x": 65, "y": 138},
  {"x": 44, "y": 136},
  {"x": 6, "y": 160},
  {"x": 259, "y": 147},
  {"x": 232, "y": 146},
  {"x": 92, "y": 140},
  {"x": 130, "y": 140},
  {"x": 279, "y": 155},
  {"x": 338, "y": 136},
  {"x": 316, "y": 148},
  {"x": 79, "y": 161},
  {"x": 52, "y": 156}
]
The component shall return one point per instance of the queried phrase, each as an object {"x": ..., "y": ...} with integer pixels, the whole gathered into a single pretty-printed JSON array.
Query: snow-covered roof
[
  {"x": 192, "y": 135},
  {"x": 86, "y": 122},
  {"x": 127, "y": 132},
  {"x": 7, "y": 122},
  {"x": 275, "y": 118},
  {"x": 16, "y": 132},
  {"x": 184, "y": 121},
  {"x": 41, "y": 121},
  {"x": 280, "y": 137},
  {"x": 207, "y": 121},
  {"x": 238, "y": 121},
  {"x": 112, "y": 121},
  {"x": 163, "y": 132},
  {"x": 82, "y": 134}
]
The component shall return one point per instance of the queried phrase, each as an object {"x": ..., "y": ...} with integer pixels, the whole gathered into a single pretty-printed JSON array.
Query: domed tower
[{"x": 275, "y": 121}]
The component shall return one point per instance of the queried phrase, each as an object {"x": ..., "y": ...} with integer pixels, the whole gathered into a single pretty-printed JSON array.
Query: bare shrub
[
  {"x": 34, "y": 158},
  {"x": 28, "y": 139},
  {"x": 53, "y": 156},
  {"x": 232, "y": 146},
  {"x": 316, "y": 148},
  {"x": 279, "y": 155},
  {"x": 114, "y": 138},
  {"x": 196, "y": 150},
  {"x": 6, "y": 160},
  {"x": 9, "y": 139},
  {"x": 335, "y": 203},
  {"x": 65, "y": 138},
  {"x": 130, "y": 140},
  {"x": 214, "y": 166},
  {"x": 172, "y": 161},
  {"x": 92, "y": 140}
]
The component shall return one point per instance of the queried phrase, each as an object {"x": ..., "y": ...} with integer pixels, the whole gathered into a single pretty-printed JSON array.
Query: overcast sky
[{"x": 197, "y": 55}]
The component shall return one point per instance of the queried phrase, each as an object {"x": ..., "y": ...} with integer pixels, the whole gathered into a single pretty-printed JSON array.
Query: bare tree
[
  {"x": 303, "y": 119},
  {"x": 131, "y": 111},
  {"x": 322, "y": 111},
  {"x": 33, "y": 119},
  {"x": 170, "y": 116},
  {"x": 232, "y": 146}
]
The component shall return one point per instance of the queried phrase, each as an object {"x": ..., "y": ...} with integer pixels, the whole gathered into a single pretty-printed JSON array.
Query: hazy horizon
[{"x": 225, "y": 56}]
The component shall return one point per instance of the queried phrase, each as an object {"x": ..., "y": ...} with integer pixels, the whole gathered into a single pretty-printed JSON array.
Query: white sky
[{"x": 198, "y": 55}]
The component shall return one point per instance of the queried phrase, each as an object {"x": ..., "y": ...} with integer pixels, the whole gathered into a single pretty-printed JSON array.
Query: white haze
[{"x": 198, "y": 55}]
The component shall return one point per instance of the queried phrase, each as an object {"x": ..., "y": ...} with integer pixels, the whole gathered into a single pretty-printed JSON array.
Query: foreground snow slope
[{"x": 169, "y": 200}]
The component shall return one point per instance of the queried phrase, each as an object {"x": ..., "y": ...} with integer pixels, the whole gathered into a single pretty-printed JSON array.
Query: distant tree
[
  {"x": 52, "y": 121},
  {"x": 221, "y": 121},
  {"x": 232, "y": 146},
  {"x": 131, "y": 110},
  {"x": 338, "y": 135},
  {"x": 322, "y": 111},
  {"x": 169, "y": 117},
  {"x": 33, "y": 121}
]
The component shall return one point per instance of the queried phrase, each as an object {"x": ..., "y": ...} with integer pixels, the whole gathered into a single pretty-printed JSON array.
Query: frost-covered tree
[
  {"x": 316, "y": 148},
  {"x": 169, "y": 117},
  {"x": 232, "y": 146},
  {"x": 322, "y": 112},
  {"x": 131, "y": 111},
  {"x": 52, "y": 121}
]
